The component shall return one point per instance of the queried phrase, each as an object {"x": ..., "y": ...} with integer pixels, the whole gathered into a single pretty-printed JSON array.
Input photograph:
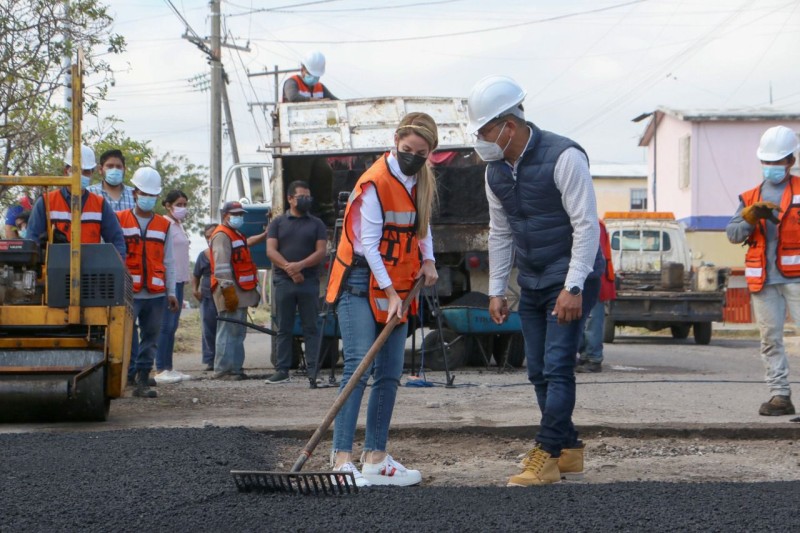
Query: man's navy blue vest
[{"x": 540, "y": 226}]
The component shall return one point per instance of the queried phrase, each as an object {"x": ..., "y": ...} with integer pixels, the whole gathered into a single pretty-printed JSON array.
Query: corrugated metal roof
[{"x": 619, "y": 170}]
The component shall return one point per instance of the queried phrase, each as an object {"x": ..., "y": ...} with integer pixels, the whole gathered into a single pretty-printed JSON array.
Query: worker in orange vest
[
  {"x": 591, "y": 352},
  {"x": 315, "y": 171},
  {"x": 767, "y": 221},
  {"x": 385, "y": 245},
  {"x": 151, "y": 266},
  {"x": 98, "y": 222}
]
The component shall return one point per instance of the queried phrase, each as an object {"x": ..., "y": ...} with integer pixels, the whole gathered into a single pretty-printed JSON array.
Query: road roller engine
[{"x": 20, "y": 268}]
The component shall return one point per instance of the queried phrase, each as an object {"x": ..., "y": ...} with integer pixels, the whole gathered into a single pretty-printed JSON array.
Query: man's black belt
[{"x": 359, "y": 261}]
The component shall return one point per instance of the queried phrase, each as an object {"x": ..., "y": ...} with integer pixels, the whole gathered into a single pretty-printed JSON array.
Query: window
[
  {"x": 638, "y": 199},
  {"x": 645, "y": 241}
]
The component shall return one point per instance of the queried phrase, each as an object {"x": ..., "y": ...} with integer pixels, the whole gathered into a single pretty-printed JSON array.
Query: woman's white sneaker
[
  {"x": 361, "y": 481},
  {"x": 390, "y": 472}
]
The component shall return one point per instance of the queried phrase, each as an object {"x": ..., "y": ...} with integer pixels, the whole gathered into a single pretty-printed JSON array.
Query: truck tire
[
  {"x": 702, "y": 332},
  {"x": 681, "y": 331},
  {"x": 456, "y": 350},
  {"x": 608, "y": 331}
]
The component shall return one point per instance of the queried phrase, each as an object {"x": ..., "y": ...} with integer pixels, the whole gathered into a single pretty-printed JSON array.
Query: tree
[{"x": 35, "y": 36}]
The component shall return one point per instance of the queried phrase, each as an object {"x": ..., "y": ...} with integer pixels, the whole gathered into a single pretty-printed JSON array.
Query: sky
[{"x": 589, "y": 66}]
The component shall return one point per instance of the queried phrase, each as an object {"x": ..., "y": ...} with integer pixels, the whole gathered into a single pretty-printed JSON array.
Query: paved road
[{"x": 178, "y": 480}]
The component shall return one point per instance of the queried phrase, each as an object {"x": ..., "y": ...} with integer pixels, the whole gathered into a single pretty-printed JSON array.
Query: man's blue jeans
[
  {"x": 147, "y": 315},
  {"x": 303, "y": 297},
  {"x": 359, "y": 331},
  {"x": 592, "y": 342},
  {"x": 550, "y": 351},
  {"x": 166, "y": 339},
  {"x": 208, "y": 316},
  {"x": 229, "y": 357}
]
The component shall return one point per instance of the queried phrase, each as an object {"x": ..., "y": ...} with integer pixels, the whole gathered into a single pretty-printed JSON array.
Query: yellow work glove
[
  {"x": 753, "y": 213},
  {"x": 231, "y": 300}
]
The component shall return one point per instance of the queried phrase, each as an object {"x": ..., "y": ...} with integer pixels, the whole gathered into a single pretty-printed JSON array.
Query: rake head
[{"x": 305, "y": 483}]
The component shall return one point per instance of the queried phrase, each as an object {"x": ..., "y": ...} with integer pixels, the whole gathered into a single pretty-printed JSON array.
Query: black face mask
[
  {"x": 304, "y": 203},
  {"x": 410, "y": 163}
]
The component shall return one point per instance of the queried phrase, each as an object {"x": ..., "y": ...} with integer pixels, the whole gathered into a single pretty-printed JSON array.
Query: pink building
[{"x": 700, "y": 161}]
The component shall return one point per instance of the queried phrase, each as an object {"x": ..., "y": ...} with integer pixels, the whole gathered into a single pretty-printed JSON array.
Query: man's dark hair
[
  {"x": 108, "y": 154},
  {"x": 297, "y": 184}
]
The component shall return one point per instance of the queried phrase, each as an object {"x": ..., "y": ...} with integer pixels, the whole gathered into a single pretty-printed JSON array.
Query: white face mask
[
  {"x": 491, "y": 151},
  {"x": 179, "y": 213}
]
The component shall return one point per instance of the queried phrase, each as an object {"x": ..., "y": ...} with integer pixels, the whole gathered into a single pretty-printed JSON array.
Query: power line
[
  {"x": 344, "y": 10},
  {"x": 466, "y": 32},
  {"x": 266, "y": 9}
]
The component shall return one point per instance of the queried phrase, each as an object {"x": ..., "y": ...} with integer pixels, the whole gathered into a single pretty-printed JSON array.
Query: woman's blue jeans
[
  {"x": 550, "y": 351},
  {"x": 359, "y": 331},
  {"x": 166, "y": 338}
]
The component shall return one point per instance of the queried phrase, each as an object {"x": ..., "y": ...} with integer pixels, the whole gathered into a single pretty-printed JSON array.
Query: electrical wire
[
  {"x": 347, "y": 10},
  {"x": 269, "y": 9}
]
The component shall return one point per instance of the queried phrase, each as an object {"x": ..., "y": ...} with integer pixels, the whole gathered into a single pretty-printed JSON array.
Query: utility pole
[
  {"x": 66, "y": 65},
  {"x": 226, "y": 105},
  {"x": 215, "y": 167}
]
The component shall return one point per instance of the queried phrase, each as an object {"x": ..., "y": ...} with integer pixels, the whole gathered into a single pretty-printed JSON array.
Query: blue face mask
[
  {"x": 236, "y": 222},
  {"x": 114, "y": 176},
  {"x": 23, "y": 233},
  {"x": 773, "y": 173},
  {"x": 310, "y": 80},
  {"x": 85, "y": 182},
  {"x": 146, "y": 203}
]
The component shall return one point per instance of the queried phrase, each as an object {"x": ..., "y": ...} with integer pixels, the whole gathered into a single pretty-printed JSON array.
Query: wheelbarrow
[{"x": 464, "y": 322}]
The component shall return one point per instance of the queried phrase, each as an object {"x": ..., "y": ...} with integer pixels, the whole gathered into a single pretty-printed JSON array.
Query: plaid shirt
[{"x": 125, "y": 202}]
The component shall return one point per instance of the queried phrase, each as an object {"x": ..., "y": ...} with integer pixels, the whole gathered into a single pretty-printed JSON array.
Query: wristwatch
[{"x": 574, "y": 290}]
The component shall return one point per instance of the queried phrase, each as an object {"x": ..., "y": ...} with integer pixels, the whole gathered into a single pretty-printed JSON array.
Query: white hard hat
[
  {"x": 776, "y": 143},
  {"x": 88, "y": 162},
  {"x": 490, "y": 98},
  {"x": 315, "y": 63},
  {"x": 147, "y": 180}
]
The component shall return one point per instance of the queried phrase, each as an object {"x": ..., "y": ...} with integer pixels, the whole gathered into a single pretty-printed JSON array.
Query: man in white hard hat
[
  {"x": 152, "y": 270},
  {"x": 98, "y": 222},
  {"x": 768, "y": 221},
  {"x": 542, "y": 211},
  {"x": 315, "y": 171}
]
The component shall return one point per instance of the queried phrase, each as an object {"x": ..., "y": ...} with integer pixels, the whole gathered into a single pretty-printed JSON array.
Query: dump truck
[
  {"x": 657, "y": 286},
  {"x": 351, "y": 135},
  {"x": 66, "y": 313}
]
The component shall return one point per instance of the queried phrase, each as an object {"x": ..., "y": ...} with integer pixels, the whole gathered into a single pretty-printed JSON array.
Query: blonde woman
[{"x": 385, "y": 245}]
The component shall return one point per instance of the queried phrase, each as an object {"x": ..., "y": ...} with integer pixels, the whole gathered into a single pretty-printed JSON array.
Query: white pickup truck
[{"x": 657, "y": 287}]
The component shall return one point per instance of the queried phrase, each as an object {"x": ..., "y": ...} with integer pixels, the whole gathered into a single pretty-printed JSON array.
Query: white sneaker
[
  {"x": 390, "y": 472},
  {"x": 361, "y": 481},
  {"x": 167, "y": 376},
  {"x": 181, "y": 375}
]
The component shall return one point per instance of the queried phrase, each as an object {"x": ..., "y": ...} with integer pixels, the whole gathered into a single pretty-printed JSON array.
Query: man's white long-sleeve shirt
[{"x": 574, "y": 181}]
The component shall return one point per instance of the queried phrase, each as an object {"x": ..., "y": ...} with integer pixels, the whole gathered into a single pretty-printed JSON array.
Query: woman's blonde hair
[{"x": 423, "y": 125}]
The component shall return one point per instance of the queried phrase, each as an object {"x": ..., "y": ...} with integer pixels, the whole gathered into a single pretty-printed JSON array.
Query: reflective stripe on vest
[
  {"x": 146, "y": 251},
  {"x": 244, "y": 270},
  {"x": 91, "y": 216},
  {"x": 399, "y": 247},
  {"x": 788, "y": 243}
]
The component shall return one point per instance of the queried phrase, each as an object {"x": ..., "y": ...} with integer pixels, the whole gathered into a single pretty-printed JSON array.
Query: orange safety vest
[
  {"x": 91, "y": 216},
  {"x": 398, "y": 247},
  {"x": 315, "y": 92},
  {"x": 244, "y": 270},
  {"x": 788, "y": 252},
  {"x": 607, "y": 289},
  {"x": 145, "y": 259}
]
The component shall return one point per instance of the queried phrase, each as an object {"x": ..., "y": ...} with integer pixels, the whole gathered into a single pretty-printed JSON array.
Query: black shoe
[
  {"x": 589, "y": 368},
  {"x": 278, "y": 377},
  {"x": 777, "y": 406},
  {"x": 143, "y": 389},
  {"x": 209, "y": 368}
]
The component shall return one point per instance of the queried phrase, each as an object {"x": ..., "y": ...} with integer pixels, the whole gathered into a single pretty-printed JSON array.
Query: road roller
[{"x": 66, "y": 312}]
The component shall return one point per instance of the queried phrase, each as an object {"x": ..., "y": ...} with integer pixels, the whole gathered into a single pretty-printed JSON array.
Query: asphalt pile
[{"x": 178, "y": 479}]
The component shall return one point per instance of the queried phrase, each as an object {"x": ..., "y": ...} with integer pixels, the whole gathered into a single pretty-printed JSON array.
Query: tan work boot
[
  {"x": 541, "y": 469},
  {"x": 570, "y": 464},
  {"x": 777, "y": 406}
]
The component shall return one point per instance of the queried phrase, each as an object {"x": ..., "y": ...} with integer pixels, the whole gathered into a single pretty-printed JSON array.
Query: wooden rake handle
[{"x": 355, "y": 378}]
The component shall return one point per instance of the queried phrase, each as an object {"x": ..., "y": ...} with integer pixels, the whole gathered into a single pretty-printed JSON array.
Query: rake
[{"x": 321, "y": 483}]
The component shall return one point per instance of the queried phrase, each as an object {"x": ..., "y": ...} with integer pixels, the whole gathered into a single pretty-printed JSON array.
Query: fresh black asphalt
[{"x": 178, "y": 480}]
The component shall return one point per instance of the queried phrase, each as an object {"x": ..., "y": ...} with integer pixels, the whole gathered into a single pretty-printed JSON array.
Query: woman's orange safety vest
[
  {"x": 788, "y": 252},
  {"x": 315, "y": 92},
  {"x": 398, "y": 247},
  {"x": 91, "y": 216},
  {"x": 244, "y": 270},
  {"x": 145, "y": 259}
]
